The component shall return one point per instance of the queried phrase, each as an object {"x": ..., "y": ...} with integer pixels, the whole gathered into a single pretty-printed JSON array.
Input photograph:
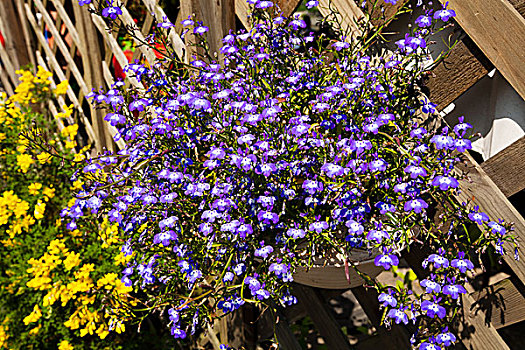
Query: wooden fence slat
[
  {"x": 5, "y": 82},
  {"x": 395, "y": 338},
  {"x": 348, "y": 10},
  {"x": 502, "y": 303},
  {"x": 61, "y": 45},
  {"x": 321, "y": 317},
  {"x": 67, "y": 21},
  {"x": 115, "y": 48},
  {"x": 176, "y": 41},
  {"x": 463, "y": 67},
  {"x": 139, "y": 39},
  {"x": 8, "y": 65},
  {"x": 502, "y": 42},
  {"x": 58, "y": 71},
  {"x": 492, "y": 201},
  {"x": 26, "y": 31},
  {"x": 507, "y": 168}
]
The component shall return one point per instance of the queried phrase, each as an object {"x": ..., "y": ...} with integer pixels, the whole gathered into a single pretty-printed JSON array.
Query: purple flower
[
  {"x": 416, "y": 205},
  {"x": 462, "y": 145},
  {"x": 244, "y": 229},
  {"x": 176, "y": 332},
  {"x": 253, "y": 283},
  {"x": 387, "y": 299},
  {"x": 385, "y": 207},
  {"x": 111, "y": 12},
  {"x": 84, "y": 2},
  {"x": 444, "y": 14},
  {"x": 454, "y": 290},
  {"x": 312, "y": 186},
  {"x": 332, "y": 170},
  {"x": 194, "y": 275},
  {"x": 354, "y": 227},
  {"x": 297, "y": 23},
  {"x": 496, "y": 228},
  {"x": 295, "y": 233},
  {"x": 478, "y": 217},
  {"x": 439, "y": 261},
  {"x": 432, "y": 309},
  {"x": 265, "y": 169},
  {"x": 424, "y": 21},
  {"x": 340, "y": 45},
  {"x": 377, "y": 235},
  {"x": 398, "y": 315},
  {"x": 461, "y": 263},
  {"x": 264, "y": 252},
  {"x": 239, "y": 269},
  {"x": 164, "y": 237},
  {"x": 445, "y": 182},
  {"x": 377, "y": 165},
  {"x": 200, "y": 30},
  {"x": 311, "y": 4},
  {"x": 429, "y": 346},
  {"x": 442, "y": 141},
  {"x": 168, "y": 222},
  {"x": 205, "y": 228},
  {"x": 318, "y": 226},
  {"x": 415, "y": 171},
  {"x": 446, "y": 338},
  {"x": 386, "y": 260},
  {"x": 392, "y": 2},
  {"x": 430, "y": 286},
  {"x": 279, "y": 269},
  {"x": 268, "y": 217}
]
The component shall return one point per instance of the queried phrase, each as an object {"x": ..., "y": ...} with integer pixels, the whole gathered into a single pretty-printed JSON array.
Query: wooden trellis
[{"x": 77, "y": 46}]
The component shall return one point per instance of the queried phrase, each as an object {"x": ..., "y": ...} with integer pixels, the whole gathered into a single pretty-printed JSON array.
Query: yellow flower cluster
[
  {"x": 4, "y": 335},
  {"x": 80, "y": 289},
  {"x": 13, "y": 206}
]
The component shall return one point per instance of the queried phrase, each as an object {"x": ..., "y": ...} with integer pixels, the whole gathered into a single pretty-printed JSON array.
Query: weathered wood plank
[
  {"x": 499, "y": 31},
  {"x": 321, "y": 317},
  {"x": 349, "y": 13},
  {"x": 332, "y": 277},
  {"x": 507, "y": 168},
  {"x": 395, "y": 338},
  {"x": 502, "y": 303},
  {"x": 519, "y": 5},
  {"x": 483, "y": 191},
  {"x": 464, "y": 66}
]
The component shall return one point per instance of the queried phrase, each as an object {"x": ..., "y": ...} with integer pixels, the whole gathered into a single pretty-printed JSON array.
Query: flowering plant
[
  {"x": 292, "y": 147},
  {"x": 59, "y": 288}
]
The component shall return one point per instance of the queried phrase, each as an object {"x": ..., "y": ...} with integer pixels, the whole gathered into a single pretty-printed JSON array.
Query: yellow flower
[
  {"x": 43, "y": 158},
  {"x": 49, "y": 193},
  {"x": 77, "y": 185},
  {"x": 34, "y": 188},
  {"x": 39, "y": 210},
  {"x": 72, "y": 260},
  {"x": 78, "y": 157},
  {"x": 71, "y": 144},
  {"x": 35, "y": 330},
  {"x": 64, "y": 345},
  {"x": 62, "y": 88},
  {"x": 33, "y": 316},
  {"x": 24, "y": 161}
]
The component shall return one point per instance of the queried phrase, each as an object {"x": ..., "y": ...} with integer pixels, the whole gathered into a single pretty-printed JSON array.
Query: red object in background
[
  {"x": 119, "y": 73},
  {"x": 2, "y": 41}
]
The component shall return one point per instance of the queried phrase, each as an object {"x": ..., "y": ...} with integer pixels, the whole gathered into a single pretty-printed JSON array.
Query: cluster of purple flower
[{"x": 234, "y": 174}]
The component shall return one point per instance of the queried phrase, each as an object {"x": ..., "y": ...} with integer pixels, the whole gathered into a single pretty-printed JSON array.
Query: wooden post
[{"x": 217, "y": 15}]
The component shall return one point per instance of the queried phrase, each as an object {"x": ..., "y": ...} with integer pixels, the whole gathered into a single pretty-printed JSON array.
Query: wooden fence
[{"x": 75, "y": 45}]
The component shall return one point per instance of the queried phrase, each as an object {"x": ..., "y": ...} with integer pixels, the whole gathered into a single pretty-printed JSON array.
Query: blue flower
[
  {"x": 295, "y": 233},
  {"x": 446, "y": 338},
  {"x": 431, "y": 309},
  {"x": 318, "y": 226},
  {"x": 387, "y": 299},
  {"x": 416, "y": 205},
  {"x": 461, "y": 263},
  {"x": 332, "y": 170},
  {"x": 386, "y": 260},
  {"x": 454, "y": 290},
  {"x": 111, "y": 12},
  {"x": 496, "y": 228},
  {"x": 478, "y": 217},
  {"x": 430, "y": 286},
  {"x": 445, "y": 182},
  {"x": 398, "y": 315}
]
